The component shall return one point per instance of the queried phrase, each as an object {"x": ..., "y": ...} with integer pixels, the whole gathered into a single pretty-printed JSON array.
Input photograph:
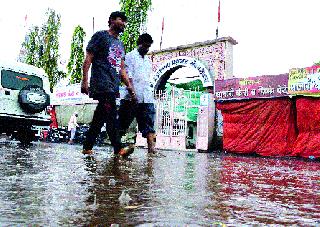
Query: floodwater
[{"x": 53, "y": 184}]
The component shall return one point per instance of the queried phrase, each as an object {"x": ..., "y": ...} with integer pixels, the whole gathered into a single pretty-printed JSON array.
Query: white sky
[{"x": 273, "y": 35}]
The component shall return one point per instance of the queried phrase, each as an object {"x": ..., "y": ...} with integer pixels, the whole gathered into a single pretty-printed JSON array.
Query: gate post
[{"x": 205, "y": 122}]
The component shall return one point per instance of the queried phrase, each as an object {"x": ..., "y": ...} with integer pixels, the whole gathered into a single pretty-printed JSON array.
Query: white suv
[{"x": 24, "y": 96}]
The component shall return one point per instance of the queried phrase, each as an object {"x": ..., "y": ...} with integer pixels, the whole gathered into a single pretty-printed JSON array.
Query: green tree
[
  {"x": 49, "y": 47},
  {"x": 41, "y": 47},
  {"x": 76, "y": 55},
  {"x": 136, "y": 12},
  {"x": 31, "y": 47}
]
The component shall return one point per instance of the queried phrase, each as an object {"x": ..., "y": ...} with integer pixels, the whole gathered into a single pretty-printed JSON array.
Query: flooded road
[{"x": 54, "y": 184}]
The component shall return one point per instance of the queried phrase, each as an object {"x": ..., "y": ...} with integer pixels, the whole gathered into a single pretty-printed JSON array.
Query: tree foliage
[
  {"x": 136, "y": 12},
  {"x": 31, "y": 47},
  {"x": 50, "y": 46},
  {"x": 76, "y": 55},
  {"x": 42, "y": 47}
]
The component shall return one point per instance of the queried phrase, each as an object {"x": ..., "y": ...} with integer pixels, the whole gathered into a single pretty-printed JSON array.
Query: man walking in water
[
  {"x": 105, "y": 53},
  {"x": 139, "y": 69}
]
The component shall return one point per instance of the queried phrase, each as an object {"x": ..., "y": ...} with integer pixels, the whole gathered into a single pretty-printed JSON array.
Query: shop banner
[
  {"x": 70, "y": 95},
  {"x": 268, "y": 86},
  {"x": 304, "y": 81}
]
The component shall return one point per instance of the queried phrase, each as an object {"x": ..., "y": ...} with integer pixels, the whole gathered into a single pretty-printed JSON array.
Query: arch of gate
[
  {"x": 213, "y": 59},
  {"x": 165, "y": 70}
]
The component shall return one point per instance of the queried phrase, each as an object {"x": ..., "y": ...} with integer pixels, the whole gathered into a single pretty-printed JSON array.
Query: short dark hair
[
  {"x": 144, "y": 38},
  {"x": 116, "y": 14}
]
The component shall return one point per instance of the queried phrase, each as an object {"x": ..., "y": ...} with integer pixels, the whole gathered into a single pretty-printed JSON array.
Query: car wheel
[{"x": 33, "y": 99}]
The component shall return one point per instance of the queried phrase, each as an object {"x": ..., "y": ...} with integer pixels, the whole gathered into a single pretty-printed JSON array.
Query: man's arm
[
  {"x": 125, "y": 79},
  {"x": 75, "y": 121},
  {"x": 85, "y": 68}
]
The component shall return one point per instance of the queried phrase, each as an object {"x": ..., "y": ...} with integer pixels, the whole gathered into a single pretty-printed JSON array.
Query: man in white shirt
[
  {"x": 72, "y": 126},
  {"x": 139, "y": 70}
]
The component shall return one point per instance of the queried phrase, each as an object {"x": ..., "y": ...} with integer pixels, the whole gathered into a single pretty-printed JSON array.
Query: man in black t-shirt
[{"x": 105, "y": 54}]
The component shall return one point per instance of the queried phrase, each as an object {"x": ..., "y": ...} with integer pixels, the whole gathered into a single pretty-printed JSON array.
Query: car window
[{"x": 16, "y": 81}]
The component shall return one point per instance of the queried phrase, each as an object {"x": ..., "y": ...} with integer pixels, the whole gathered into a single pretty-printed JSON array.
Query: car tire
[{"x": 33, "y": 99}]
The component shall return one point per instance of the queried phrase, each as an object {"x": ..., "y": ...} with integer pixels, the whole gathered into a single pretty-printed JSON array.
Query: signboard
[
  {"x": 188, "y": 62},
  {"x": 70, "y": 95},
  {"x": 252, "y": 87},
  {"x": 304, "y": 81}
]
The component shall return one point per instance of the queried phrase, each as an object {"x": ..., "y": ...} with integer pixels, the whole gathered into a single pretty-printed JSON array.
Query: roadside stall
[
  {"x": 275, "y": 115},
  {"x": 258, "y": 115},
  {"x": 304, "y": 83}
]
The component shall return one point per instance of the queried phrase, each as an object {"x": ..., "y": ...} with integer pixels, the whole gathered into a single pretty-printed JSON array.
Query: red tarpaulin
[
  {"x": 308, "y": 123},
  {"x": 262, "y": 126}
]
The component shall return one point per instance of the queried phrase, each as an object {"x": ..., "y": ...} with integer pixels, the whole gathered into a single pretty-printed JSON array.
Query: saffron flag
[
  {"x": 25, "y": 20},
  {"x": 162, "y": 23},
  {"x": 219, "y": 12}
]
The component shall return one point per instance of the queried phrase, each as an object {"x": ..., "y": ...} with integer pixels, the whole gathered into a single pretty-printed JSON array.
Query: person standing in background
[{"x": 72, "y": 127}]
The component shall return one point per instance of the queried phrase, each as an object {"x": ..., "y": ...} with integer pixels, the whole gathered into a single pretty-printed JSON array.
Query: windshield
[{"x": 16, "y": 81}]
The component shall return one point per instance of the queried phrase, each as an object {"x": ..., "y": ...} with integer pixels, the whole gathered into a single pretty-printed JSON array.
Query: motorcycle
[
  {"x": 81, "y": 133},
  {"x": 53, "y": 135}
]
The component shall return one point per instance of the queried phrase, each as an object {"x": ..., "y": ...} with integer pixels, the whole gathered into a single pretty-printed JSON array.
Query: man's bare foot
[{"x": 88, "y": 152}]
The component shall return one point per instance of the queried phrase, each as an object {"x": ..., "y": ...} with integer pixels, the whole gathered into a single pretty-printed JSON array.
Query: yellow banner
[{"x": 304, "y": 81}]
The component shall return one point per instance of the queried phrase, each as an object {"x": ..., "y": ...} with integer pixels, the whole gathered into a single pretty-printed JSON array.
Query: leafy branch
[
  {"x": 41, "y": 47},
  {"x": 77, "y": 55},
  {"x": 136, "y": 12}
]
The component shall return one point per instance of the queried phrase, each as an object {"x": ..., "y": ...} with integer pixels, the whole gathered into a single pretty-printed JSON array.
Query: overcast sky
[{"x": 273, "y": 35}]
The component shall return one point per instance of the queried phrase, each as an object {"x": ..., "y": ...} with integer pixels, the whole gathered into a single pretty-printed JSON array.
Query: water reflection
[
  {"x": 133, "y": 176},
  {"x": 40, "y": 185},
  {"x": 271, "y": 191},
  {"x": 54, "y": 184}
]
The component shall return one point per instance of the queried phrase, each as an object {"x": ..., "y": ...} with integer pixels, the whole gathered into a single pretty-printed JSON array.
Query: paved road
[{"x": 54, "y": 184}]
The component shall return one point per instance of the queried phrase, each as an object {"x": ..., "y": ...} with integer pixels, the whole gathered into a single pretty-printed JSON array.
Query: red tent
[
  {"x": 260, "y": 117},
  {"x": 262, "y": 126}
]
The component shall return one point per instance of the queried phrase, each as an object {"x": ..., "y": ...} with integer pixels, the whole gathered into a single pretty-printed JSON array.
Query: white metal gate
[
  {"x": 172, "y": 118},
  {"x": 171, "y": 123}
]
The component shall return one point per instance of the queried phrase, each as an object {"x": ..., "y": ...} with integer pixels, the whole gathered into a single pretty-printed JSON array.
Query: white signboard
[
  {"x": 70, "y": 95},
  {"x": 205, "y": 76}
]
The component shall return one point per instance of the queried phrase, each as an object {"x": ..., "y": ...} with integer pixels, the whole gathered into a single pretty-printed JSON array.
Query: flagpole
[
  {"x": 25, "y": 20},
  {"x": 161, "y": 40},
  {"x": 93, "y": 25},
  {"x": 162, "y": 32},
  {"x": 217, "y": 30}
]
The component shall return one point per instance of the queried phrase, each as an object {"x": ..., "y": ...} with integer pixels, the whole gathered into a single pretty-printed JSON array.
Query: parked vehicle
[
  {"x": 64, "y": 135},
  {"x": 81, "y": 133},
  {"x": 58, "y": 135},
  {"x": 39, "y": 132},
  {"x": 53, "y": 135},
  {"x": 24, "y": 96}
]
